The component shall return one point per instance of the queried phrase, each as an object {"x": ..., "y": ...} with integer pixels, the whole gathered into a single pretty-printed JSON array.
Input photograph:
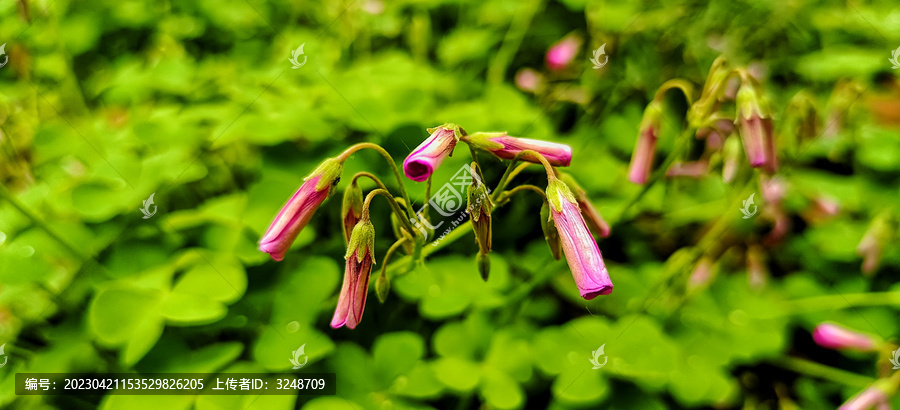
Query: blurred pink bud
[
  {"x": 421, "y": 163},
  {"x": 581, "y": 250},
  {"x": 874, "y": 396},
  {"x": 529, "y": 80},
  {"x": 645, "y": 147},
  {"x": 692, "y": 169},
  {"x": 561, "y": 54},
  {"x": 702, "y": 273},
  {"x": 833, "y": 336},
  {"x": 821, "y": 209},
  {"x": 757, "y": 272}
]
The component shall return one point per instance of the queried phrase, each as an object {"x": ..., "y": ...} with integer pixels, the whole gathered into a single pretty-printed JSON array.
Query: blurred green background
[{"x": 106, "y": 102}]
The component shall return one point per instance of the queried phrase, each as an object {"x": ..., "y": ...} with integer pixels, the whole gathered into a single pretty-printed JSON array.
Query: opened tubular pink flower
[
  {"x": 421, "y": 163},
  {"x": 561, "y": 54},
  {"x": 298, "y": 210},
  {"x": 505, "y": 147},
  {"x": 833, "y": 336},
  {"x": 581, "y": 250},
  {"x": 360, "y": 260}
]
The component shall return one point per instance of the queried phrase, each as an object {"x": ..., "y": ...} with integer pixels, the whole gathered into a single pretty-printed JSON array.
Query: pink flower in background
[
  {"x": 642, "y": 158},
  {"x": 429, "y": 155},
  {"x": 561, "y": 54},
  {"x": 869, "y": 398},
  {"x": 834, "y": 336},
  {"x": 529, "y": 80},
  {"x": 581, "y": 250},
  {"x": 295, "y": 214}
]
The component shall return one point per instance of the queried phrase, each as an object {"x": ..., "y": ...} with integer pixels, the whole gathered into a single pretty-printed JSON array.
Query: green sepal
[
  {"x": 557, "y": 191},
  {"x": 330, "y": 171},
  {"x": 362, "y": 241}
]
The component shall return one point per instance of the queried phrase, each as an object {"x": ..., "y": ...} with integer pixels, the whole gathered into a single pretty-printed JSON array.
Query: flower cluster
[{"x": 565, "y": 219}]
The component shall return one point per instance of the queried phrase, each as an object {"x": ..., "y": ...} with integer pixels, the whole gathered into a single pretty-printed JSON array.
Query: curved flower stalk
[
  {"x": 505, "y": 147},
  {"x": 298, "y": 210},
  {"x": 580, "y": 248},
  {"x": 429, "y": 155}
]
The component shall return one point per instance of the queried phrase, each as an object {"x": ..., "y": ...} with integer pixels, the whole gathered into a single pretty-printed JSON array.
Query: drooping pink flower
[
  {"x": 298, "y": 210},
  {"x": 360, "y": 260},
  {"x": 561, "y": 54},
  {"x": 692, "y": 169},
  {"x": 581, "y": 250},
  {"x": 506, "y": 147},
  {"x": 833, "y": 336},
  {"x": 421, "y": 163}
]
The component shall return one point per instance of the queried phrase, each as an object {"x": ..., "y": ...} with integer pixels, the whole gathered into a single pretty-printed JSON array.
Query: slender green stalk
[
  {"x": 394, "y": 206},
  {"x": 37, "y": 221},
  {"x": 383, "y": 192},
  {"x": 829, "y": 302},
  {"x": 509, "y": 173},
  {"x": 512, "y": 41},
  {"x": 390, "y": 252},
  {"x": 822, "y": 371},
  {"x": 363, "y": 145},
  {"x": 520, "y": 188}
]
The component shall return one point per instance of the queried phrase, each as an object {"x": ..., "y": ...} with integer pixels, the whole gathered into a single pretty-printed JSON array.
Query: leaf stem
[{"x": 364, "y": 145}]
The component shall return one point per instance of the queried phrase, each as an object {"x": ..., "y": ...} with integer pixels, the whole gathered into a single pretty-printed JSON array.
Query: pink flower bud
[
  {"x": 298, "y": 210},
  {"x": 875, "y": 396},
  {"x": 561, "y": 54},
  {"x": 581, "y": 250},
  {"x": 506, "y": 147},
  {"x": 645, "y": 147},
  {"x": 429, "y": 155},
  {"x": 528, "y": 80},
  {"x": 832, "y": 336},
  {"x": 360, "y": 260}
]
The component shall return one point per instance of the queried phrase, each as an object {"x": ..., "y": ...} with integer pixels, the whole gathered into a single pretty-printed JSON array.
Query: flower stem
[
  {"x": 37, "y": 221},
  {"x": 384, "y": 192},
  {"x": 525, "y": 187},
  {"x": 829, "y": 302},
  {"x": 510, "y": 172},
  {"x": 822, "y": 371},
  {"x": 389, "y": 253},
  {"x": 363, "y": 145}
]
